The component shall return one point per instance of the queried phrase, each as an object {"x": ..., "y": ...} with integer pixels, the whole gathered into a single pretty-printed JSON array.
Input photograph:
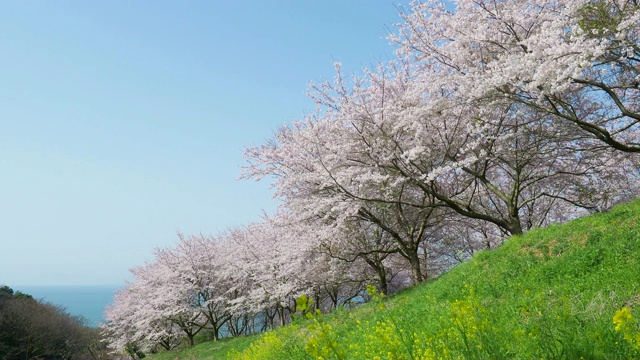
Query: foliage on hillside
[
  {"x": 564, "y": 292},
  {"x": 33, "y": 329}
]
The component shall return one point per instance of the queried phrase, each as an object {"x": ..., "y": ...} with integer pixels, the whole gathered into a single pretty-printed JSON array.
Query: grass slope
[
  {"x": 549, "y": 294},
  {"x": 208, "y": 350}
]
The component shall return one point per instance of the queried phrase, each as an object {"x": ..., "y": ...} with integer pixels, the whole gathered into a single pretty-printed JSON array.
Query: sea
[{"x": 89, "y": 302}]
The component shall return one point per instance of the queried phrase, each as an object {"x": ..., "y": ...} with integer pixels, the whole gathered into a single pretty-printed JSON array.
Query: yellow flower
[{"x": 622, "y": 317}]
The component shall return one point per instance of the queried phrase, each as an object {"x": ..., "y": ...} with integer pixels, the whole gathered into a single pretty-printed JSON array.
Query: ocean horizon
[{"x": 88, "y": 301}]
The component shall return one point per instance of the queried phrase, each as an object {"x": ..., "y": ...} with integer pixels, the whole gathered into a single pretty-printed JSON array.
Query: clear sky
[{"x": 123, "y": 122}]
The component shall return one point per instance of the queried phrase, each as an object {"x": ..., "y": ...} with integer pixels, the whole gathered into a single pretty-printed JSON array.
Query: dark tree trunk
[
  {"x": 416, "y": 272},
  {"x": 382, "y": 279}
]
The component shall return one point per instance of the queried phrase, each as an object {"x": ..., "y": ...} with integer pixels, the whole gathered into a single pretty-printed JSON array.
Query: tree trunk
[
  {"x": 317, "y": 300},
  {"x": 416, "y": 272},
  {"x": 281, "y": 315},
  {"x": 382, "y": 279},
  {"x": 515, "y": 228},
  {"x": 216, "y": 329}
]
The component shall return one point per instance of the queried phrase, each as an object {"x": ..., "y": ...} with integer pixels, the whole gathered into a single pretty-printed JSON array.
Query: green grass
[
  {"x": 209, "y": 350},
  {"x": 549, "y": 294}
]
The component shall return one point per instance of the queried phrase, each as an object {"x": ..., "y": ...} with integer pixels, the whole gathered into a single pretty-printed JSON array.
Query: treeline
[
  {"x": 31, "y": 329},
  {"x": 495, "y": 118}
]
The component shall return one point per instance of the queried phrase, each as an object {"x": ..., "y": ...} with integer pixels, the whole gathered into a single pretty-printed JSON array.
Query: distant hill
[{"x": 565, "y": 292}]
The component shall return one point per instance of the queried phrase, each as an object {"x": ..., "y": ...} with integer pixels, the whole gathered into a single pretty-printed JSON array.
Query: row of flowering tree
[
  {"x": 496, "y": 117},
  {"x": 242, "y": 281}
]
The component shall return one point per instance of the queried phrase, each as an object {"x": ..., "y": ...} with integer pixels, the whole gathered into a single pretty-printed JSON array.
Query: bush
[{"x": 30, "y": 329}]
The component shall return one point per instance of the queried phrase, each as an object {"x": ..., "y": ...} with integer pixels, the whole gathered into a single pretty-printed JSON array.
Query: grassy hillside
[
  {"x": 552, "y": 294},
  {"x": 206, "y": 350}
]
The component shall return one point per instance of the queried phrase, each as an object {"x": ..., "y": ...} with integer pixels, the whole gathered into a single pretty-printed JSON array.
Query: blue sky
[{"x": 122, "y": 123}]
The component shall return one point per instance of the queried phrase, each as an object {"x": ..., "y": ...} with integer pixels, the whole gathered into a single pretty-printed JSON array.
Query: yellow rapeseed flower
[{"x": 622, "y": 317}]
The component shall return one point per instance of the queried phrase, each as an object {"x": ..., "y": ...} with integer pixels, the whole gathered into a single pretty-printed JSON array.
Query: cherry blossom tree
[
  {"x": 193, "y": 266},
  {"x": 381, "y": 152},
  {"x": 358, "y": 240},
  {"x": 340, "y": 165},
  {"x": 137, "y": 319},
  {"x": 268, "y": 265},
  {"x": 280, "y": 256},
  {"x": 576, "y": 60}
]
